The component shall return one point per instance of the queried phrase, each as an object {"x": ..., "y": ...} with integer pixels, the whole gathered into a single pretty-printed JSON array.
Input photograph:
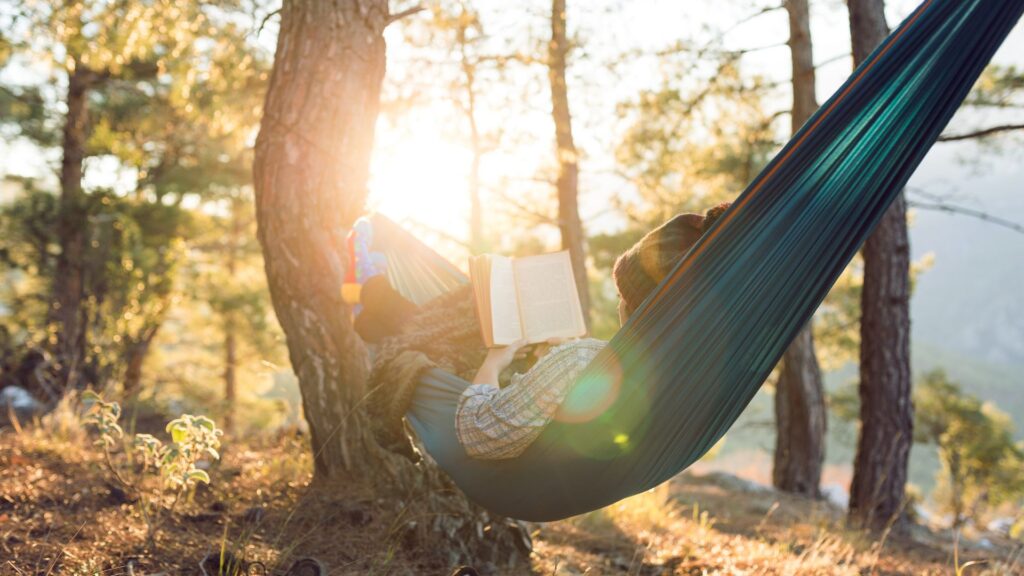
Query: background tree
[
  {"x": 104, "y": 54},
  {"x": 311, "y": 167},
  {"x": 981, "y": 463},
  {"x": 877, "y": 492},
  {"x": 800, "y": 411},
  {"x": 567, "y": 181}
]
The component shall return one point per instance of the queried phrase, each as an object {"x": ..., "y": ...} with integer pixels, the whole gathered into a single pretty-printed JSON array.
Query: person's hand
[
  {"x": 541, "y": 349},
  {"x": 497, "y": 360},
  {"x": 500, "y": 358}
]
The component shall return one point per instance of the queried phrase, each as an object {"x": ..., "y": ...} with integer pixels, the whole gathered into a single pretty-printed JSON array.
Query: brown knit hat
[{"x": 639, "y": 270}]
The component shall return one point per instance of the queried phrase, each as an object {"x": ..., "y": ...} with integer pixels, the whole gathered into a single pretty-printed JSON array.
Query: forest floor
[{"x": 60, "y": 514}]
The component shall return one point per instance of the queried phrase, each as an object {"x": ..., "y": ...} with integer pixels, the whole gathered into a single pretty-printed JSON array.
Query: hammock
[{"x": 687, "y": 363}]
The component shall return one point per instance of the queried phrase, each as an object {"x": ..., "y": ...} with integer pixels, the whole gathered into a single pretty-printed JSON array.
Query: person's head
[{"x": 639, "y": 270}]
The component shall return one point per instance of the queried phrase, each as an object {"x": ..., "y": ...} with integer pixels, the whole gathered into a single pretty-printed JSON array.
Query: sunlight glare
[{"x": 420, "y": 175}]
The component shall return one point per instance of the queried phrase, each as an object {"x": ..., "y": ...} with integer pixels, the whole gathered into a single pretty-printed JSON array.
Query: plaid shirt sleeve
[{"x": 495, "y": 423}]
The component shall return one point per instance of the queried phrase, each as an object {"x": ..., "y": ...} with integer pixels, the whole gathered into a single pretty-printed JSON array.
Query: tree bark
[
  {"x": 311, "y": 166},
  {"x": 231, "y": 324},
  {"x": 230, "y": 379},
  {"x": 69, "y": 285},
  {"x": 800, "y": 412},
  {"x": 877, "y": 493},
  {"x": 135, "y": 358},
  {"x": 468, "y": 65},
  {"x": 310, "y": 171},
  {"x": 567, "y": 183}
]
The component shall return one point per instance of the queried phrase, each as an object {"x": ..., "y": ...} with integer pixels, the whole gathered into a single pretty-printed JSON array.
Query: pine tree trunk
[
  {"x": 68, "y": 286},
  {"x": 310, "y": 172},
  {"x": 877, "y": 493},
  {"x": 800, "y": 415},
  {"x": 567, "y": 184},
  {"x": 311, "y": 166},
  {"x": 136, "y": 358},
  {"x": 230, "y": 322},
  {"x": 476, "y": 218},
  {"x": 230, "y": 378},
  {"x": 800, "y": 412}
]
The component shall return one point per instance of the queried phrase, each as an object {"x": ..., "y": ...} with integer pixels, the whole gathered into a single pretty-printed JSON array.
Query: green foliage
[
  {"x": 174, "y": 464},
  {"x": 104, "y": 416},
  {"x": 135, "y": 248},
  {"x": 982, "y": 466},
  {"x": 689, "y": 148},
  {"x": 999, "y": 87}
]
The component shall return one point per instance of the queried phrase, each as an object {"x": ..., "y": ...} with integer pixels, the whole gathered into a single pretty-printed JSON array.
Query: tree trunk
[
  {"x": 956, "y": 488},
  {"x": 230, "y": 322},
  {"x": 569, "y": 223},
  {"x": 136, "y": 358},
  {"x": 476, "y": 219},
  {"x": 230, "y": 386},
  {"x": 801, "y": 420},
  {"x": 310, "y": 172},
  {"x": 68, "y": 286},
  {"x": 800, "y": 412},
  {"x": 877, "y": 493},
  {"x": 311, "y": 166}
]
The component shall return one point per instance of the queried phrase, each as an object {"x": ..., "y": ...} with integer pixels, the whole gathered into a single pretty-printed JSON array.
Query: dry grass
[{"x": 59, "y": 515}]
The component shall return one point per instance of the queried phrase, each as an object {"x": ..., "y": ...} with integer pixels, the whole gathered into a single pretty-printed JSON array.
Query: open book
[{"x": 532, "y": 298}]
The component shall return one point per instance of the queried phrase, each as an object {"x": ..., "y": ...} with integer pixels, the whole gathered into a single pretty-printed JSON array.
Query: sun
[{"x": 419, "y": 175}]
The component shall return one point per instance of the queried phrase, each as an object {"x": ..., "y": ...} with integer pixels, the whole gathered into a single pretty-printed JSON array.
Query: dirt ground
[{"x": 61, "y": 514}]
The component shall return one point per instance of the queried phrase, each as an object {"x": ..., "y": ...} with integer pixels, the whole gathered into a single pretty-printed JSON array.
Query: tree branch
[
  {"x": 981, "y": 133},
  {"x": 404, "y": 14},
  {"x": 940, "y": 206},
  {"x": 271, "y": 14}
]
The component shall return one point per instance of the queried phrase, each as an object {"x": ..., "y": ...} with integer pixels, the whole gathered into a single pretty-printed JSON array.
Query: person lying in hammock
[{"x": 492, "y": 421}]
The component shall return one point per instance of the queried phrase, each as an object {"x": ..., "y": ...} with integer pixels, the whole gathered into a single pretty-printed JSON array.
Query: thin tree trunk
[
  {"x": 310, "y": 172},
  {"x": 230, "y": 385},
  {"x": 956, "y": 487},
  {"x": 476, "y": 219},
  {"x": 230, "y": 324},
  {"x": 68, "y": 286},
  {"x": 800, "y": 411},
  {"x": 567, "y": 184},
  {"x": 136, "y": 358},
  {"x": 877, "y": 493}
]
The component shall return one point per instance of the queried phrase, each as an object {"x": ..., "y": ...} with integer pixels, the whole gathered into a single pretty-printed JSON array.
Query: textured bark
[
  {"x": 231, "y": 323},
  {"x": 877, "y": 493},
  {"x": 468, "y": 66},
  {"x": 310, "y": 172},
  {"x": 230, "y": 378},
  {"x": 69, "y": 285},
  {"x": 135, "y": 358},
  {"x": 567, "y": 184},
  {"x": 800, "y": 412}
]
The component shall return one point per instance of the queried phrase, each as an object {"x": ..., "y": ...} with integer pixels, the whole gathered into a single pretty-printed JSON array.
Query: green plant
[{"x": 173, "y": 467}]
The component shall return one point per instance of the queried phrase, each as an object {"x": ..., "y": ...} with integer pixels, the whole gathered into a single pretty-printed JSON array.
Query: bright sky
[
  {"x": 420, "y": 171},
  {"x": 421, "y": 163}
]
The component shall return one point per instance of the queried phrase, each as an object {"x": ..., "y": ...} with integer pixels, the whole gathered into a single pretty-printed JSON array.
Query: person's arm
[
  {"x": 494, "y": 423},
  {"x": 497, "y": 360}
]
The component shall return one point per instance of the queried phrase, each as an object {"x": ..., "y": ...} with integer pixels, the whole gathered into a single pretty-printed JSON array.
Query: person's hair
[{"x": 639, "y": 270}]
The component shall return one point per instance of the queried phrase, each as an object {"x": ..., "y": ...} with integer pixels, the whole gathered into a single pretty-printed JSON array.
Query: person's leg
[{"x": 385, "y": 311}]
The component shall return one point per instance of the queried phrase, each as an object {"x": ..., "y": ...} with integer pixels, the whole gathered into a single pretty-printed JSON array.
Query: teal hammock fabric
[{"x": 684, "y": 367}]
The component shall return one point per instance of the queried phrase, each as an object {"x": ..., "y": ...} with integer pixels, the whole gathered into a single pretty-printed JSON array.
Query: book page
[
  {"x": 548, "y": 302},
  {"x": 505, "y": 322},
  {"x": 479, "y": 274}
]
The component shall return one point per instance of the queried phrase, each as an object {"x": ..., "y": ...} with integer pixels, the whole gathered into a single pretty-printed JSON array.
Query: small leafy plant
[{"x": 158, "y": 474}]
